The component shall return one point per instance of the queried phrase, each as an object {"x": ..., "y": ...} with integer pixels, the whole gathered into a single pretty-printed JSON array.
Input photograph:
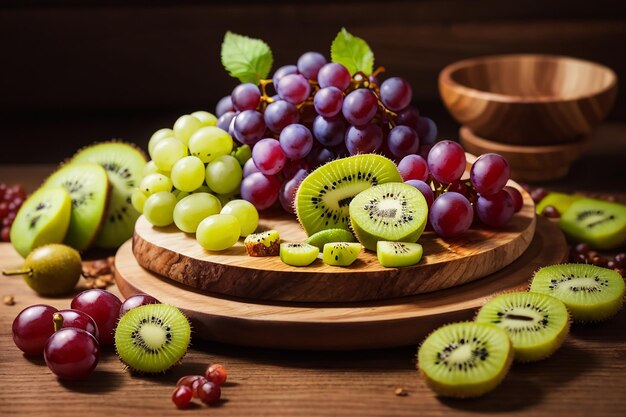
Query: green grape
[
  {"x": 185, "y": 126},
  {"x": 154, "y": 183},
  {"x": 245, "y": 212},
  {"x": 137, "y": 199},
  {"x": 167, "y": 152},
  {"x": 194, "y": 208},
  {"x": 159, "y": 208},
  {"x": 158, "y": 136},
  {"x": 188, "y": 173},
  {"x": 209, "y": 143},
  {"x": 218, "y": 232},
  {"x": 203, "y": 189},
  {"x": 224, "y": 174},
  {"x": 227, "y": 198},
  {"x": 151, "y": 168},
  {"x": 180, "y": 194},
  {"x": 206, "y": 118},
  {"x": 242, "y": 153}
]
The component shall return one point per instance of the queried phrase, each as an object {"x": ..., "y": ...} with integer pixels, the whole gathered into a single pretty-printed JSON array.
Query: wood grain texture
[
  {"x": 528, "y": 99},
  {"x": 396, "y": 322},
  {"x": 446, "y": 263},
  {"x": 529, "y": 163}
]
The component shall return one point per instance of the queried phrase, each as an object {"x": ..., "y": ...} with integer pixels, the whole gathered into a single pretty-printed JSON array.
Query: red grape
[
  {"x": 310, "y": 63},
  {"x": 489, "y": 173},
  {"x": 328, "y": 101},
  {"x": 425, "y": 189},
  {"x": 225, "y": 120},
  {"x": 319, "y": 156},
  {"x": 209, "y": 393},
  {"x": 329, "y": 131},
  {"x": 216, "y": 374},
  {"x": 76, "y": 319},
  {"x": 268, "y": 156},
  {"x": 293, "y": 166},
  {"x": 413, "y": 167},
  {"x": 426, "y": 130},
  {"x": 495, "y": 210},
  {"x": 181, "y": 397},
  {"x": 293, "y": 88},
  {"x": 136, "y": 301},
  {"x": 518, "y": 200},
  {"x": 223, "y": 106},
  {"x": 359, "y": 107},
  {"x": 104, "y": 309},
  {"x": 451, "y": 214},
  {"x": 334, "y": 75},
  {"x": 395, "y": 93},
  {"x": 408, "y": 117},
  {"x": 249, "y": 127},
  {"x": 288, "y": 190},
  {"x": 260, "y": 190},
  {"x": 72, "y": 353},
  {"x": 280, "y": 114},
  {"x": 5, "y": 234},
  {"x": 32, "y": 328},
  {"x": 296, "y": 141},
  {"x": 249, "y": 168},
  {"x": 446, "y": 161},
  {"x": 245, "y": 97},
  {"x": 281, "y": 72},
  {"x": 403, "y": 141},
  {"x": 364, "y": 139}
]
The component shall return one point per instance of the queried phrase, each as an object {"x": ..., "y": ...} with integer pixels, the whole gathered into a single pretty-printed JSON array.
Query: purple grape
[
  {"x": 424, "y": 188},
  {"x": 446, "y": 161},
  {"x": 268, "y": 156},
  {"x": 409, "y": 117},
  {"x": 364, "y": 139},
  {"x": 249, "y": 127},
  {"x": 413, "y": 167},
  {"x": 224, "y": 105},
  {"x": 403, "y": 141},
  {"x": 282, "y": 71},
  {"x": 451, "y": 214},
  {"x": 489, "y": 173},
  {"x": 426, "y": 130},
  {"x": 359, "y": 107},
  {"x": 225, "y": 119},
  {"x": 395, "y": 93},
  {"x": 309, "y": 64},
  {"x": 249, "y": 168},
  {"x": 319, "y": 156},
  {"x": 293, "y": 88},
  {"x": 287, "y": 193},
  {"x": 246, "y": 97},
  {"x": 328, "y": 101},
  {"x": 329, "y": 132},
  {"x": 373, "y": 80},
  {"x": 334, "y": 75},
  {"x": 279, "y": 114},
  {"x": 261, "y": 190},
  {"x": 293, "y": 166},
  {"x": 296, "y": 141},
  {"x": 495, "y": 210}
]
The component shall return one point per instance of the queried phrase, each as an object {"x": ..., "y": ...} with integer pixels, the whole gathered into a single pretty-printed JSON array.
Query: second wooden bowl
[{"x": 528, "y": 99}]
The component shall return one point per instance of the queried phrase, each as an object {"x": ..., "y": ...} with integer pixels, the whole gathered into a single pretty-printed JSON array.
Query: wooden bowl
[{"x": 528, "y": 99}]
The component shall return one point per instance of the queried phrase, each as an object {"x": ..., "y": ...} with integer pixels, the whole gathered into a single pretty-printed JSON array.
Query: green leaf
[
  {"x": 249, "y": 60},
  {"x": 352, "y": 52}
]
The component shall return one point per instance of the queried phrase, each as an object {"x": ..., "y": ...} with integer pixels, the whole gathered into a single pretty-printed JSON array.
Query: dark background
[{"x": 73, "y": 73}]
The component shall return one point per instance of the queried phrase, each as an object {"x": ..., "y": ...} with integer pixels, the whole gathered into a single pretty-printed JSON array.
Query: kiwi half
[
  {"x": 389, "y": 212},
  {"x": 298, "y": 254},
  {"x": 590, "y": 292},
  {"x": 323, "y": 237},
  {"x": 124, "y": 165},
  {"x": 398, "y": 254},
  {"x": 465, "y": 359},
  {"x": 536, "y": 323},
  {"x": 600, "y": 223},
  {"x": 323, "y": 197},
  {"x": 88, "y": 186},
  {"x": 152, "y": 338}
]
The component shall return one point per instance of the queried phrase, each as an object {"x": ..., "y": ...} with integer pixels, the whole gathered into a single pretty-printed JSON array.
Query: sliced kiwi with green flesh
[
  {"x": 536, "y": 323},
  {"x": 389, "y": 212},
  {"x": 398, "y": 254},
  {"x": 263, "y": 243},
  {"x": 465, "y": 359},
  {"x": 600, "y": 223},
  {"x": 341, "y": 253},
  {"x": 152, "y": 338},
  {"x": 43, "y": 218},
  {"x": 124, "y": 164},
  {"x": 590, "y": 292},
  {"x": 559, "y": 201},
  {"x": 323, "y": 237},
  {"x": 323, "y": 197},
  {"x": 88, "y": 186},
  {"x": 298, "y": 254}
]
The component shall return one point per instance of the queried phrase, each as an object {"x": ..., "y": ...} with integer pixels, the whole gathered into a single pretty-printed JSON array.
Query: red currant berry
[
  {"x": 209, "y": 393},
  {"x": 216, "y": 374},
  {"x": 181, "y": 397}
]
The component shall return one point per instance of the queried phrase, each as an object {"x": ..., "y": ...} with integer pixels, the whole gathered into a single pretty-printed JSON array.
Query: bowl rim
[{"x": 445, "y": 78}]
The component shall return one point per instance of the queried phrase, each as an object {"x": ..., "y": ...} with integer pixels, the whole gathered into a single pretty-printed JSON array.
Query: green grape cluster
[{"x": 193, "y": 181}]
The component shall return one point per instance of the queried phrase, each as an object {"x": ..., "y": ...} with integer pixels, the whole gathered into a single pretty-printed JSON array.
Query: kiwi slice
[
  {"x": 323, "y": 196},
  {"x": 124, "y": 164},
  {"x": 559, "y": 201},
  {"x": 43, "y": 218},
  {"x": 341, "y": 253},
  {"x": 590, "y": 292},
  {"x": 88, "y": 186},
  {"x": 391, "y": 212},
  {"x": 152, "y": 338},
  {"x": 298, "y": 254},
  {"x": 465, "y": 359},
  {"x": 323, "y": 237},
  {"x": 398, "y": 254},
  {"x": 599, "y": 223},
  {"x": 536, "y": 323},
  {"x": 263, "y": 244}
]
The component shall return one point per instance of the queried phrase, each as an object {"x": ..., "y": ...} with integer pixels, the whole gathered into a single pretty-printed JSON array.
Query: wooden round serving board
[{"x": 393, "y": 322}]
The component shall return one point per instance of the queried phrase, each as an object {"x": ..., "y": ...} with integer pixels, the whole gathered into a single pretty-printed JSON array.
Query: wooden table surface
[{"x": 587, "y": 376}]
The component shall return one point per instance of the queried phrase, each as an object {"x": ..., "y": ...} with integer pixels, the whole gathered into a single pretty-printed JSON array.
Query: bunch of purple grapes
[
  {"x": 319, "y": 112},
  {"x": 455, "y": 202}
]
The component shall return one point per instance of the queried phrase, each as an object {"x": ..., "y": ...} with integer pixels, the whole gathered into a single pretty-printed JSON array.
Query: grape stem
[
  {"x": 26, "y": 271},
  {"x": 57, "y": 319}
]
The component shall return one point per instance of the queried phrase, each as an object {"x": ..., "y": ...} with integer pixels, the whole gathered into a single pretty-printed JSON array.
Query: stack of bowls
[{"x": 538, "y": 111}]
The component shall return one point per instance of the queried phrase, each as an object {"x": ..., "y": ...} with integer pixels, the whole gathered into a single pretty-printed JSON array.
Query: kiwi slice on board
[
  {"x": 323, "y": 197},
  {"x": 341, "y": 253},
  {"x": 152, "y": 338},
  {"x": 398, "y": 254},
  {"x": 263, "y": 243},
  {"x": 590, "y": 292},
  {"x": 298, "y": 254},
  {"x": 465, "y": 359},
  {"x": 88, "y": 186},
  {"x": 536, "y": 323},
  {"x": 124, "y": 164},
  {"x": 559, "y": 201},
  {"x": 43, "y": 218},
  {"x": 323, "y": 237},
  {"x": 597, "y": 222},
  {"x": 390, "y": 212}
]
